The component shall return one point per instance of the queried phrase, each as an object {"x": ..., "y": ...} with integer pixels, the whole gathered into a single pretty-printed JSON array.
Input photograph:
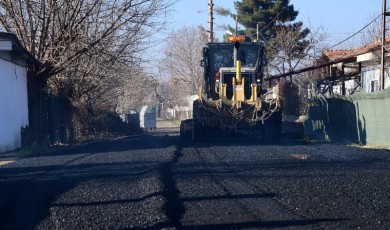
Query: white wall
[
  {"x": 13, "y": 105},
  {"x": 372, "y": 73}
]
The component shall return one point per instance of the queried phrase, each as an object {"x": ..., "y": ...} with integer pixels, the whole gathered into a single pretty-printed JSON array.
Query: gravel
[{"x": 161, "y": 181}]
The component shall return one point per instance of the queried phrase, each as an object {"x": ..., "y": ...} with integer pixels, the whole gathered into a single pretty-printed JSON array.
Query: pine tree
[{"x": 266, "y": 13}]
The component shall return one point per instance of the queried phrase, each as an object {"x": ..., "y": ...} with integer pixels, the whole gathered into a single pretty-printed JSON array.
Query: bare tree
[
  {"x": 181, "y": 62},
  {"x": 81, "y": 42},
  {"x": 373, "y": 32},
  {"x": 293, "y": 47},
  {"x": 90, "y": 50},
  {"x": 59, "y": 32},
  {"x": 130, "y": 99}
]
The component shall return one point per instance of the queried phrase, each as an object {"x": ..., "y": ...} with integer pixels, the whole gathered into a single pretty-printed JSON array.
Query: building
[
  {"x": 346, "y": 71},
  {"x": 14, "y": 115},
  {"x": 362, "y": 63}
]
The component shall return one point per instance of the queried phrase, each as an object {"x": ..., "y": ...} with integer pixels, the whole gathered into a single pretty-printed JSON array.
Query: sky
[{"x": 339, "y": 18}]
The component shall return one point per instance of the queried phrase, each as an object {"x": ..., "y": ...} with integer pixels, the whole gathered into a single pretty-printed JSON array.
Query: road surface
[{"x": 159, "y": 181}]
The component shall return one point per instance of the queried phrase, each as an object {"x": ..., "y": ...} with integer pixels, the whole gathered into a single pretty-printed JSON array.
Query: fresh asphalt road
[{"x": 159, "y": 181}]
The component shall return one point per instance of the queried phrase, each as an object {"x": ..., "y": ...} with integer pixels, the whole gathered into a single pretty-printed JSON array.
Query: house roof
[
  {"x": 18, "y": 49},
  {"x": 335, "y": 55}
]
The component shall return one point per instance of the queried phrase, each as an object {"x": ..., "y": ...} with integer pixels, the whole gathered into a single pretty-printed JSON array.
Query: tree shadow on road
[
  {"x": 137, "y": 142},
  {"x": 30, "y": 188}
]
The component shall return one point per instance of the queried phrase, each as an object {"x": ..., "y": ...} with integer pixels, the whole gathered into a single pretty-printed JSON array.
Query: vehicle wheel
[
  {"x": 183, "y": 134},
  {"x": 181, "y": 131},
  {"x": 273, "y": 127},
  {"x": 258, "y": 132},
  {"x": 197, "y": 126}
]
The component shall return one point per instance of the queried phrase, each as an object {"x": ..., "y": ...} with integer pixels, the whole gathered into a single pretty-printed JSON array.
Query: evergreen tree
[{"x": 266, "y": 13}]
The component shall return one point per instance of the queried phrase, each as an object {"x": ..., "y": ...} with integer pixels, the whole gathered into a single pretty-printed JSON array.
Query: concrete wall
[
  {"x": 361, "y": 118},
  {"x": 13, "y": 105}
]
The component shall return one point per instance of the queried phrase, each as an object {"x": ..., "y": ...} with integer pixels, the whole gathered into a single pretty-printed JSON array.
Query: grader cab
[{"x": 232, "y": 98}]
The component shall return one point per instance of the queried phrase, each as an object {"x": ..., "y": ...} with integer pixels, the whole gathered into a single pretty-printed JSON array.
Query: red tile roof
[{"x": 335, "y": 55}]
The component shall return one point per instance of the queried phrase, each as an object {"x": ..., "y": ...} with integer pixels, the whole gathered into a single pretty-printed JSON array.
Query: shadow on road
[
  {"x": 149, "y": 140},
  {"x": 29, "y": 187}
]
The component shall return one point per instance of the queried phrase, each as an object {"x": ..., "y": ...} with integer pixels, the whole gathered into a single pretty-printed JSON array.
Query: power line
[
  {"x": 354, "y": 34},
  {"x": 273, "y": 19}
]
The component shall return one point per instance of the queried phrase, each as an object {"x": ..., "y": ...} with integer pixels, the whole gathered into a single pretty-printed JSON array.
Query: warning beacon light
[{"x": 236, "y": 38}]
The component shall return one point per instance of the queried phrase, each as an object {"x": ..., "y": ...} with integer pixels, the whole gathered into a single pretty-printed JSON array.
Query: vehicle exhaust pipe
[{"x": 237, "y": 62}]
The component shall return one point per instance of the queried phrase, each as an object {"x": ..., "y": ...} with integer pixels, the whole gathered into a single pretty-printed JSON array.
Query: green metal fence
[{"x": 361, "y": 118}]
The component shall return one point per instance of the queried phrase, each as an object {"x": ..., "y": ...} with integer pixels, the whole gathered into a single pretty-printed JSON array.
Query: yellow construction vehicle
[{"x": 232, "y": 98}]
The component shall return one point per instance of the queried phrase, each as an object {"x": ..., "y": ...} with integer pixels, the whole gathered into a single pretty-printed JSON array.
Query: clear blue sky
[{"x": 340, "y": 18}]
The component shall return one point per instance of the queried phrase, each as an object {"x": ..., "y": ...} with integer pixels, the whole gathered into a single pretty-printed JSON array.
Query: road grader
[{"x": 232, "y": 98}]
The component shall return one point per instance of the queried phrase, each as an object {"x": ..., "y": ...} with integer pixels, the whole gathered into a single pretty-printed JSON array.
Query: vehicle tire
[
  {"x": 197, "y": 126},
  {"x": 273, "y": 127},
  {"x": 258, "y": 132},
  {"x": 181, "y": 131}
]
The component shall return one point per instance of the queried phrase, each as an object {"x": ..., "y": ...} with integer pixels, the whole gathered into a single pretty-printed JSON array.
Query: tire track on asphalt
[
  {"x": 266, "y": 218},
  {"x": 220, "y": 181},
  {"x": 256, "y": 188}
]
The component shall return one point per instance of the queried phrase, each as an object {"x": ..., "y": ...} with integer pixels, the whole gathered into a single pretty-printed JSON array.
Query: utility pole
[
  {"x": 211, "y": 25},
  {"x": 382, "y": 75}
]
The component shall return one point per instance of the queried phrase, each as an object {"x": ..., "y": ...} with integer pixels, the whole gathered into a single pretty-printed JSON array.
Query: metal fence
[
  {"x": 53, "y": 120},
  {"x": 49, "y": 121},
  {"x": 361, "y": 118}
]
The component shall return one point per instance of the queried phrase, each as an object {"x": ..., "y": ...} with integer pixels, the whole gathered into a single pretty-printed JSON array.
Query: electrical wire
[
  {"x": 277, "y": 16},
  {"x": 346, "y": 39},
  {"x": 354, "y": 34}
]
